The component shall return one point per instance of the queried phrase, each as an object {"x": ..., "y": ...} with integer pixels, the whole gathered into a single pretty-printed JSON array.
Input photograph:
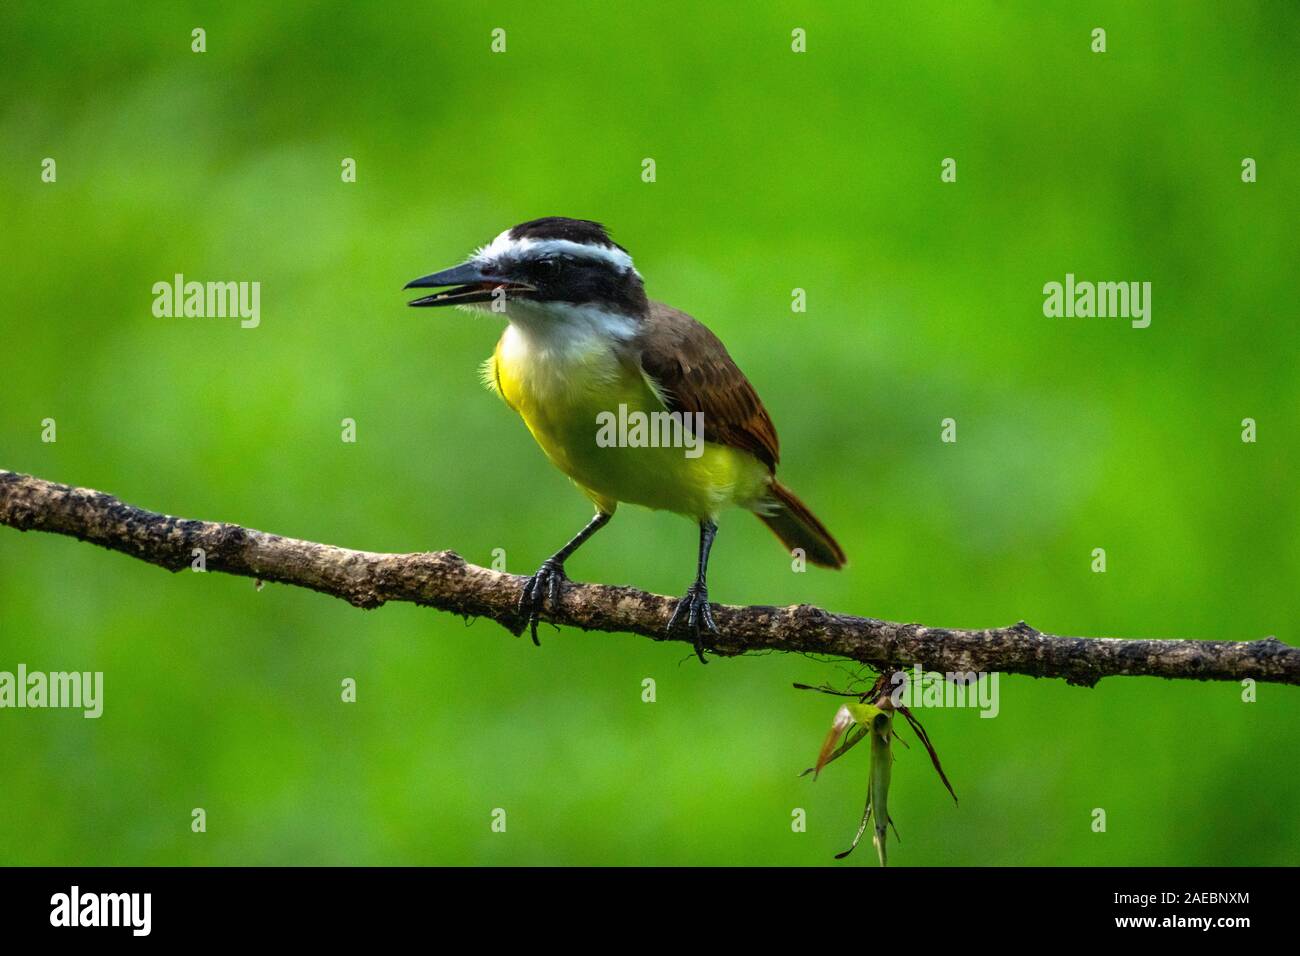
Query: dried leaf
[
  {"x": 854, "y": 737},
  {"x": 843, "y": 721}
]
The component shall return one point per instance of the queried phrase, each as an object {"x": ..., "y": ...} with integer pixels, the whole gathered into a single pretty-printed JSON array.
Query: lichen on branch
[{"x": 444, "y": 580}]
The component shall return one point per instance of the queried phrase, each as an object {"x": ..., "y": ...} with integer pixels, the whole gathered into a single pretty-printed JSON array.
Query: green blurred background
[{"x": 775, "y": 170}]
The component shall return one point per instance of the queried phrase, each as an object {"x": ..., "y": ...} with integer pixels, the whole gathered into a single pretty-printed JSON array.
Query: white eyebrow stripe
[{"x": 503, "y": 245}]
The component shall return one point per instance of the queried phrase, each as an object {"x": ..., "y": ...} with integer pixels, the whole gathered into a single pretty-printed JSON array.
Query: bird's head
[{"x": 551, "y": 265}]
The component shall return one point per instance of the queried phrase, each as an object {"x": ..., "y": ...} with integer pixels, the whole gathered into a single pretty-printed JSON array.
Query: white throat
[{"x": 563, "y": 327}]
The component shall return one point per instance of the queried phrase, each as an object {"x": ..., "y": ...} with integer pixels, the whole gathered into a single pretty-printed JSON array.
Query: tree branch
[{"x": 444, "y": 580}]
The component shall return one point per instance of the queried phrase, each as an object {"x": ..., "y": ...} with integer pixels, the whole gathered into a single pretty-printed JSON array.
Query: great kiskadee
[{"x": 584, "y": 343}]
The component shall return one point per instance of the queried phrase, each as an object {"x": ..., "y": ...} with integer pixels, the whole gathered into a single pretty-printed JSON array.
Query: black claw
[
  {"x": 545, "y": 584},
  {"x": 698, "y": 612}
]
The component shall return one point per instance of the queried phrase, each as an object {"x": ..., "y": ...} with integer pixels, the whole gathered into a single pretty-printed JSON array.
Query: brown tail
[{"x": 797, "y": 527}]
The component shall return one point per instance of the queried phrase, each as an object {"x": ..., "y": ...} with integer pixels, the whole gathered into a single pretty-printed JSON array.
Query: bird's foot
[
  {"x": 694, "y": 612},
  {"x": 545, "y": 585}
]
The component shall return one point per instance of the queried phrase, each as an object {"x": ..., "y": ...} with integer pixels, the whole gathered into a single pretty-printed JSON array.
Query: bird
[{"x": 584, "y": 347}]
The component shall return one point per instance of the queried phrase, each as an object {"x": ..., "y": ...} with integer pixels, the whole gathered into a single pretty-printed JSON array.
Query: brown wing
[{"x": 692, "y": 371}]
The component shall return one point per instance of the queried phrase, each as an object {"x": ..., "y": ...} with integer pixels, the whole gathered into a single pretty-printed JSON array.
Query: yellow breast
[{"x": 566, "y": 392}]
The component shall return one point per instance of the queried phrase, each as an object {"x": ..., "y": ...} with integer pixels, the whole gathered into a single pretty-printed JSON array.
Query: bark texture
[{"x": 444, "y": 580}]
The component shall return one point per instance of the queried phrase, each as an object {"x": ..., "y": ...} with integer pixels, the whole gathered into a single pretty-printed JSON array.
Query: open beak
[{"x": 468, "y": 284}]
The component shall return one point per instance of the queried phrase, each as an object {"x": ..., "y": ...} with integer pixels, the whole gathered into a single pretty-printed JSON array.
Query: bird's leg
[
  {"x": 550, "y": 577},
  {"x": 695, "y": 605}
]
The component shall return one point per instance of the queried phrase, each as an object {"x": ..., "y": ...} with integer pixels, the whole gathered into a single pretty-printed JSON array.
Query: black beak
[{"x": 469, "y": 284}]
